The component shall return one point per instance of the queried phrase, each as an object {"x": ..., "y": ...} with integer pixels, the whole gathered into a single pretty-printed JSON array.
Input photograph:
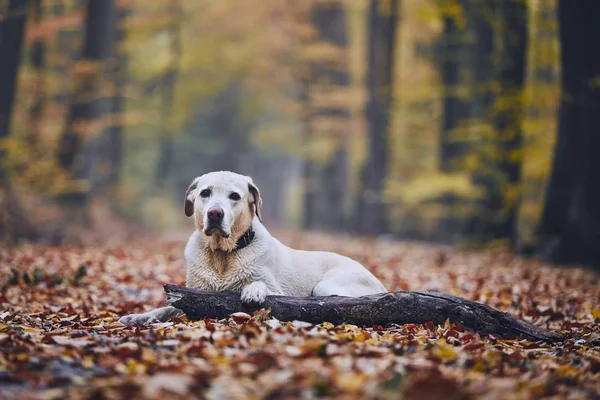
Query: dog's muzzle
[{"x": 215, "y": 217}]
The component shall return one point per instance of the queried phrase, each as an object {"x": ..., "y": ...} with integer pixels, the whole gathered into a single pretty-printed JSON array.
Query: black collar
[{"x": 245, "y": 239}]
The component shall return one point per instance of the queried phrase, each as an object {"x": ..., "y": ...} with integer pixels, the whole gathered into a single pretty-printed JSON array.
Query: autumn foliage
[{"x": 59, "y": 335}]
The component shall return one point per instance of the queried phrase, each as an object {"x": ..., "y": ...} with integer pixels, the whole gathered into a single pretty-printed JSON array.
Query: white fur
[
  {"x": 282, "y": 270},
  {"x": 266, "y": 266}
]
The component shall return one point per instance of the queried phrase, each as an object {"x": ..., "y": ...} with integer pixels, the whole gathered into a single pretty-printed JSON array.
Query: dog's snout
[{"x": 215, "y": 214}]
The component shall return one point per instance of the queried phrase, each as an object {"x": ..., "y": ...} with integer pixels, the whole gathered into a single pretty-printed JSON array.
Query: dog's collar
[{"x": 245, "y": 239}]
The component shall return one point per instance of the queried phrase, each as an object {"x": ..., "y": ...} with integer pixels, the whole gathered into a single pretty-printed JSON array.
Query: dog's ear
[
  {"x": 257, "y": 199},
  {"x": 188, "y": 204}
]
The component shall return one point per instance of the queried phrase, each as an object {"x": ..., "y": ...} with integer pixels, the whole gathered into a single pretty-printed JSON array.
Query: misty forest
[{"x": 446, "y": 145}]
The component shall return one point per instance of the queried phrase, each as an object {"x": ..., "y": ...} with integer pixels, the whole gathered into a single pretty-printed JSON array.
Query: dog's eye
[
  {"x": 234, "y": 196},
  {"x": 205, "y": 193}
]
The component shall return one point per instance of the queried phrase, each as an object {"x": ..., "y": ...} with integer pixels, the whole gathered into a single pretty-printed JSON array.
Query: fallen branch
[{"x": 378, "y": 309}]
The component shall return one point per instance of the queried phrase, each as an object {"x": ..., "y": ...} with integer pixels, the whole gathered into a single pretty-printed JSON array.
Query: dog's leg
[
  {"x": 256, "y": 292},
  {"x": 328, "y": 288},
  {"x": 162, "y": 314},
  {"x": 352, "y": 282}
]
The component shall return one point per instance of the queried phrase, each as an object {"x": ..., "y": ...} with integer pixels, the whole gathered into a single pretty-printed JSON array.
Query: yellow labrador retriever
[{"x": 232, "y": 250}]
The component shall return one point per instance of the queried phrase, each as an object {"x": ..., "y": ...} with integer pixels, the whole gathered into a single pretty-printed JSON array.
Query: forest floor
[{"x": 59, "y": 335}]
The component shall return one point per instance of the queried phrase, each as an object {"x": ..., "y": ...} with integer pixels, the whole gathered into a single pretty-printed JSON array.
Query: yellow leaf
[
  {"x": 351, "y": 382},
  {"x": 478, "y": 366},
  {"x": 445, "y": 353},
  {"x": 134, "y": 366},
  {"x": 567, "y": 371},
  {"x": 328, "y": 325}
]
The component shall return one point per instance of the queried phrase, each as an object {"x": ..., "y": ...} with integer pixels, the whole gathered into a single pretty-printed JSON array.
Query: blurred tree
[
  {"x": 542, "y": 104},
  {"x": 68, "y": 49},
  {"x": 218, "y": 138},
  {"x": 452, "y": 69},
  {"x": 167, "y": 88},
  {"x": 509, "y": 115},
  {"x": 114, "y": 134},
  {"x": 481, "y": 133},
  {"x": 500, "y": 78},
  {"x": 107, "y": 149},
  {"x": 12, "y": 27},
  {"x": 14, "y": 222},
  {"x": 326, "y": 119},
  {"x": 371, "y": 211},
  {"x": 88, "y": 103},
  {"x": 37, "y": 55},
  {"x": 570, "y": 224}
]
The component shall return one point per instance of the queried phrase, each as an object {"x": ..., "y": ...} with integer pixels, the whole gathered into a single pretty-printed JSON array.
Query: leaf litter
[{"x": 59, "y": 335}]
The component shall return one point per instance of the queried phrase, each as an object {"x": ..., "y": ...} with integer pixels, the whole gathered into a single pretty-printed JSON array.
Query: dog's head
[{"x": 223, "y": 205}]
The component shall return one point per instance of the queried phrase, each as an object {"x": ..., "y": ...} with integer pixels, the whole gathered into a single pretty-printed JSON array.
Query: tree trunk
[
  {"x": 455, "y": 66},
  {"x": 166, "y": 147},
  {"x": 87, "y": 103},
  {"x": 310, "y": 168},
  {"x": 38, "y": 55},
  {"x": 327, "y": 186},
  {"x": 454, "y": 108},
  {"x": 371, "y": 213},
  {"x": 66, "y": 53},
  {"x": 501, "y": 54},
  {"x": 490, "y": 122},
  {"x": 12, "y": 29},
  {"x": 114, "y": 135},
  {"x": 509, "y": 117},
  {"x": 481, "y": 62},
  {"x": 14, "y": 222},
  {"x": 336, "y": 193},
  {"x": 570, "y": 223},
  {"x": 377, "y": 309}
]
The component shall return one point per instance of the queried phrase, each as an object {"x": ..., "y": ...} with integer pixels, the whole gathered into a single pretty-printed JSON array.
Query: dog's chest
[{"x": 219, "y": 273}]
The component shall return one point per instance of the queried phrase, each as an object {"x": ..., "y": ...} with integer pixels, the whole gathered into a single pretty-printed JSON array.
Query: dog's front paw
[
  {"x": 256, "y": 292},
  {"x": 138, "y": 319},
  {"x": 162, "y": 314}
]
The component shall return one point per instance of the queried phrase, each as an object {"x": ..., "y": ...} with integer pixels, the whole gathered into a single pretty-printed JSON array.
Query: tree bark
[
  {"x": 378, "y": 309},
  {"x": 372, "y": 215},
  {"x": 570, "y": 223}
]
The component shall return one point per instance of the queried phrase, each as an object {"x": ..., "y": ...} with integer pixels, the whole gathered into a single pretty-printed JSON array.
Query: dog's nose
[{"x": 215, "y": 214}]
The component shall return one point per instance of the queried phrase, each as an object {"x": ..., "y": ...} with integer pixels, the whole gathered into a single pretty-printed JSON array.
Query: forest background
[{"x": 459, "y": 121}]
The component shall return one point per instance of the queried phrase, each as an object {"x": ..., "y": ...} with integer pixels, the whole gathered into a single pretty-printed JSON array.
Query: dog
[{"x": 231, "y": 249}]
